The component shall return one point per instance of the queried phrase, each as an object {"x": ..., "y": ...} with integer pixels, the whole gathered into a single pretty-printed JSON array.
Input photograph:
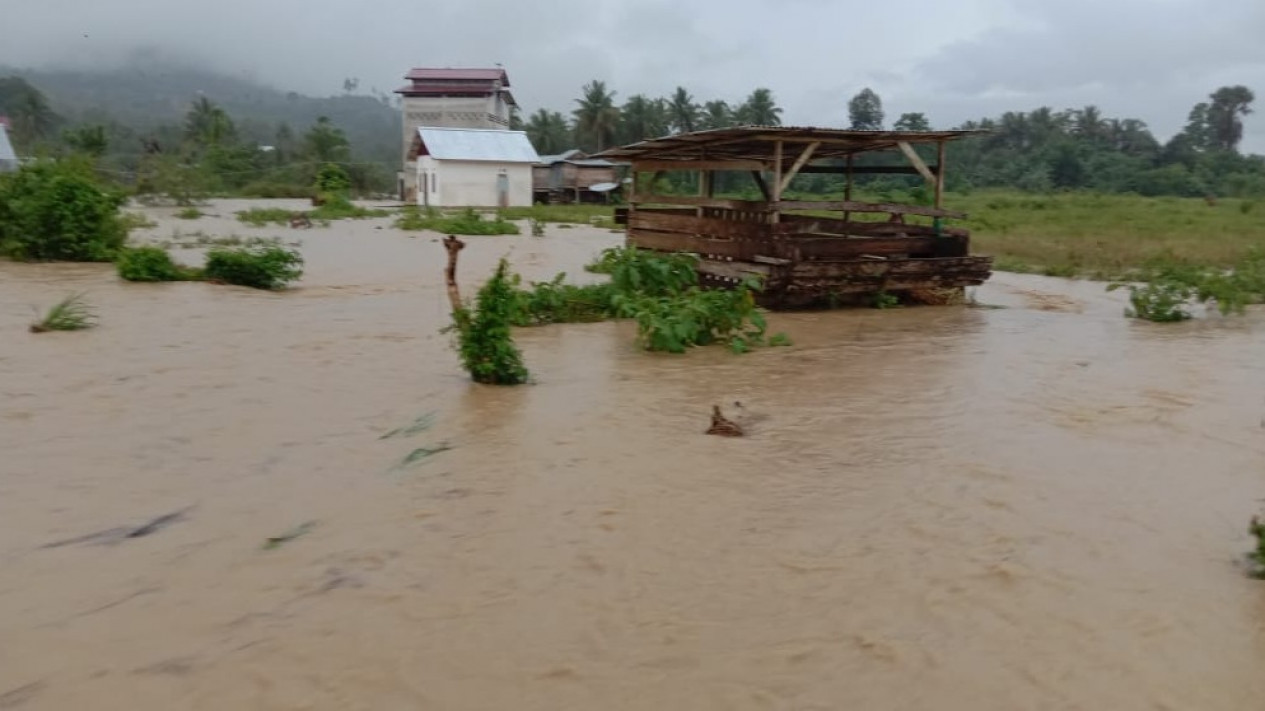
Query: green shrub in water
[
  {"x": 256, "y": 266},
  {"x": 484, "y": 334},
  {"x": 152, "y": 264},
  {"x": 59, "y": 211}
]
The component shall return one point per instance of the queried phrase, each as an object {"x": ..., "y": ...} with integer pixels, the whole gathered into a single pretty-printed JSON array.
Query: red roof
[{"x": 423, "y": 73}]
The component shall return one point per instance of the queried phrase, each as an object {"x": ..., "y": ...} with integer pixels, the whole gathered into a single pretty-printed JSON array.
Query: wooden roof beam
[
  {"x": 804, "y": 157},
  {"x": 916, "y": 161}
]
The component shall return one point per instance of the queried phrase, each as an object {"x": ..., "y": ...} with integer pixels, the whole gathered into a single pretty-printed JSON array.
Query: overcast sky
[{"x": 952, "y": 59}]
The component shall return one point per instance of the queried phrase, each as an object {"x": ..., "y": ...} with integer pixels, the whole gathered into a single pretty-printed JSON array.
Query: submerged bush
[
  {"x": 485, "y": 341},
  {"x": 152, "y": 264},
  {"x": 57, "y": 210},
  {"x": 1169, "y": 285},
  {"x": 1257, "y": 557},
  {"x": 659, "y": 291},
  {"x": 256, "y": 266}
]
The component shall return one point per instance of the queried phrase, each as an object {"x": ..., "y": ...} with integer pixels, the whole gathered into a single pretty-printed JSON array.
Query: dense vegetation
[
  {"x": 59, "y": 211},
  {"x": 1041, "y": 150},
  {"x": 249, "y": 145}
]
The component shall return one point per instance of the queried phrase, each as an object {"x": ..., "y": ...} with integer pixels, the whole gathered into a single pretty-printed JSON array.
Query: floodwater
[{"x": 1035, "y": 507}]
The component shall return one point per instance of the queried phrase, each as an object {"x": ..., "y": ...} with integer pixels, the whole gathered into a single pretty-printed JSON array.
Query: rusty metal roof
[{"x": 759, "y": 143}]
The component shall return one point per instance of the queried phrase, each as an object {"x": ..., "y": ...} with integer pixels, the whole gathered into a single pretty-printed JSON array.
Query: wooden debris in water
[{"x": 723, "y": 426}]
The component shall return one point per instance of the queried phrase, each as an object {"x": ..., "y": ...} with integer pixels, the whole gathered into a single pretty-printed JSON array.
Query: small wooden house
[
  {"x": 573, "y": 177},
  {"x": 806, "y": 252}
]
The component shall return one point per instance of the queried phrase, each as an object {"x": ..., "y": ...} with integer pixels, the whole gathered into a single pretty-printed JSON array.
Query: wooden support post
[
  {"x": 704, "y": 189},
  {"x": 799, "y": 163},
  {"x": 454, "y": 247},
  {"x": 847, "y": 190},
  {"x": 940, "y": 174},
  {"x": 916, "y": 161},
  {"x": 777, "y": 181},
  {"x": 758, "y": 177}
]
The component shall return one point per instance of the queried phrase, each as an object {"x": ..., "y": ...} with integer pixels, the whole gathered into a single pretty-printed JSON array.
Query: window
[
  {"x": 434, "y": 182},
  {"x": 425, "y": 182}
]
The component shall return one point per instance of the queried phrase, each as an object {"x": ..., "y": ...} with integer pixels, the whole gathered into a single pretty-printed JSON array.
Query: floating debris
[
  {"x": 723, "y": 426},
  {"x": 299, "y": 530}
]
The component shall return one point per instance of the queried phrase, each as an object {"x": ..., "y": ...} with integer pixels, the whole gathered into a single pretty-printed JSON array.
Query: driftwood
[
  {"x": 723, "y": 426},
  {"x": 454, "y": 247},
  {"x": 300, "y": 219}
]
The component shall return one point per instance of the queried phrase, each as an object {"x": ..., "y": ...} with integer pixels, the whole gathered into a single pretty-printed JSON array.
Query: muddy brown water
[{"x": 1035, "y": 507}]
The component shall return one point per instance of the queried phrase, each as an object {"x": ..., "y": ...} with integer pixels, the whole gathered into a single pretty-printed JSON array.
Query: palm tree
[
  {"x": 1088, "y": 123},
  {"x": 549, "y": 132},
  {"x": 643, "y": 118},
  {"x": 207, "y": 124},
  {"x": 597, "y": 118},
  {"x": 716, "y": 114},
  {"x": 760, "y": 109},
  {"x": 683, "y": 110}
]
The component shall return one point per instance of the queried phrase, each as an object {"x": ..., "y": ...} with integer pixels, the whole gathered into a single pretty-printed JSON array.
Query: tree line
[
  {"x": 1039, "y": 150},
  {"x": 207, "y": 153}
]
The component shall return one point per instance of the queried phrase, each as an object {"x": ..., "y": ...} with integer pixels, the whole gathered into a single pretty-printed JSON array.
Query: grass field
[
  {"x": 1105, "y": 236},
  {"x": 1067, "y": 234}
]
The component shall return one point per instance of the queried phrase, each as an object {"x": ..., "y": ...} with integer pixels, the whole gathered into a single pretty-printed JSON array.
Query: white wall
[
  {"x": 471, "y": 183},
  {"x": 450, "y": 112}
]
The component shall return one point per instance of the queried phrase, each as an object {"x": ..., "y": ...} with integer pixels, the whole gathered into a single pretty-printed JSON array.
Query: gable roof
[
  {"x": 474, "y": 144},
  {"x": 559, "y": 157},
  {"x": 6, "y": 148}
]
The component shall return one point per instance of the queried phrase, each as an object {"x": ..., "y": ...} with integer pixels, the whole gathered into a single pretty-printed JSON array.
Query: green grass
[
  {"x": 1106, "y": 236},
  {"x": 190, "y": 213},
  {"x": 260, "y": 216},
  {"x": 331, "y": 210},
  {"x": 596, "y": 215},
  {"x": 70, "y": 314},
  {"x": 466, "y": 222}
]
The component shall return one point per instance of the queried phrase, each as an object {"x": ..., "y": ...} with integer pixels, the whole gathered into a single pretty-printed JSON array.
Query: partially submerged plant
[
  {"x": 152, "y": 264},
  {"x": 70, "y": 314},
  {"x": 483, "y": 334},
  {"x": 1257, "y": 557},
  {"x": 256, "y": 266}
]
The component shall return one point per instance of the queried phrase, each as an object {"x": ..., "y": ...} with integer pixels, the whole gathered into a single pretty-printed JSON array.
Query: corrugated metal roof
[
  {"x": 6, "y": 148},
  {"x": 478, "y": 144},
  {"x": 424, "y": 73},
  {"x": 555, "y": 158},
  {"x": 758, "y": 142}
]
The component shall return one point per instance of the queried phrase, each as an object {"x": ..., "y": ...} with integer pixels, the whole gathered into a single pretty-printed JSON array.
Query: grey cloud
[{"x": 1151, "y": 59}]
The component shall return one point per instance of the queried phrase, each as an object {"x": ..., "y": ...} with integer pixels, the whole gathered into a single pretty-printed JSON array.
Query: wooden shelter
[{"x": 807, "y": 252}]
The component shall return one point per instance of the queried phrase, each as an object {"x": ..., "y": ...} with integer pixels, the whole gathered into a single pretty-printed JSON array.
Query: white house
[
  {"x": 473, "y": 167},
  {"x": 8, "y": 159}
]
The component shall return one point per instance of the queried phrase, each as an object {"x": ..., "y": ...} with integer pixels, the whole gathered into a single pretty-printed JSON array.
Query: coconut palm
[
  {"x": 683, "y": 110},
  {"x": 597, "y": 119}
]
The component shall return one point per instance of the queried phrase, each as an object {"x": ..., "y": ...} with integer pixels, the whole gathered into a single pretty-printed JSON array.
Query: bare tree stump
[{"x": 723, "y": 426}]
